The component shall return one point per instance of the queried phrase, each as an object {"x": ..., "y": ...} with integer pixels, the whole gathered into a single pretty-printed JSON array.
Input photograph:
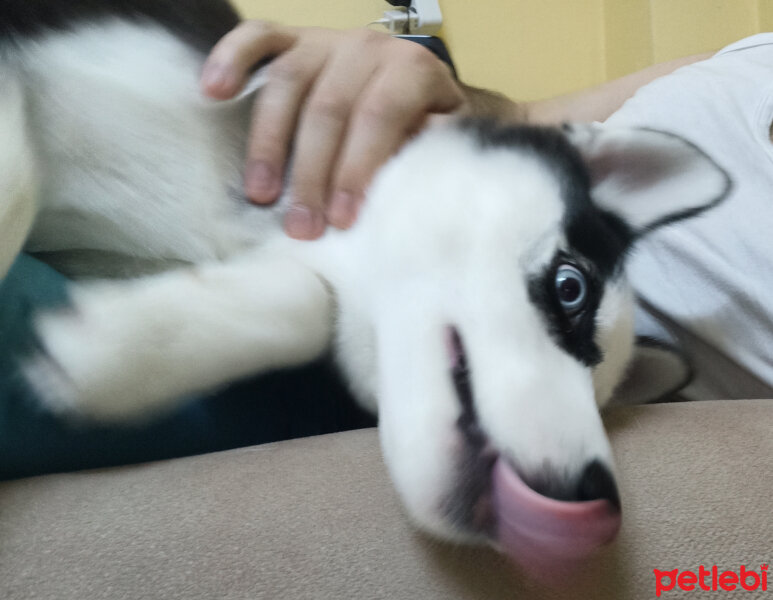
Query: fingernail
[
  {"x": 217, "y": 79},
  {"x": 261, "y": 183},
  {"x": 303, "y": 223},
  {"x": 343, "y": 209}
]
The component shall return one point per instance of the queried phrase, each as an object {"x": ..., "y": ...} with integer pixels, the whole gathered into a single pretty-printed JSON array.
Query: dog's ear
[
  {"x": 646, "y": 177},
  {"x": 656, "y": 372}
]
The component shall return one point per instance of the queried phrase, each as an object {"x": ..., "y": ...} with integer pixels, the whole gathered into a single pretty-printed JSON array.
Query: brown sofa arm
[{"x": 318, "y": 518}]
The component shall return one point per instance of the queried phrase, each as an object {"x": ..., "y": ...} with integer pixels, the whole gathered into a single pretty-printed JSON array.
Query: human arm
[{"x": 599, "y": 102}]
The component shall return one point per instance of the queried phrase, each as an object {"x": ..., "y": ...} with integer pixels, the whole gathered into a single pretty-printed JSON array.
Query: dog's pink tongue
[{"x": 547, "y": 537}]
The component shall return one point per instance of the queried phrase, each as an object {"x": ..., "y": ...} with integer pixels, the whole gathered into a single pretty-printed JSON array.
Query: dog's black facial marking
[
  {"x": 574, "y": 331},
  {"x": 460, "y": 376},
  {"x": 597, "y": 235},
  {"x": 597, "y": 240},
  {"x": 469, "y": 505},
  {"x": 199, "y": 22}
]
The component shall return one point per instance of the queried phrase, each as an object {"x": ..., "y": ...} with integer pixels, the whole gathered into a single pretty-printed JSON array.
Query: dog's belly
[{"x": 132, "y": 160}]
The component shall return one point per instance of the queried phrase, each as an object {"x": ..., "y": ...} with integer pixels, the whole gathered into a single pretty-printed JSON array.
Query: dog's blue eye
[{"x": 571, "y": 289}]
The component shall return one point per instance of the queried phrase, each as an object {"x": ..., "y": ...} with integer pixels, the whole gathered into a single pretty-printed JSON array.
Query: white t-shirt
[{"x": 708, "y": 282}]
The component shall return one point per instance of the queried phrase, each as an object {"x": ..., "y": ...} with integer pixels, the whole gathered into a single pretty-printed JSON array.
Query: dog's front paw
[
  {"x": 50, "y": 383},
  {"x": 90, "y": 361}
]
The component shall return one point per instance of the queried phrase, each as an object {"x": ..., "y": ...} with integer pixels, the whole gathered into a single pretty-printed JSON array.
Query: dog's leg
[
  {"x": 18, "y": 188},
  {"x": 125, "y": 349}
]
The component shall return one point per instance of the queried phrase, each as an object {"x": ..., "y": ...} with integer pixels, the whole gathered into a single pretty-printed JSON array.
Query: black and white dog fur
[{"x": 479, "y": 304}]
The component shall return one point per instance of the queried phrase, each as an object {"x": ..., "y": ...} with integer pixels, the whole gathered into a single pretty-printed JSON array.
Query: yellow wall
[
  {"x": 536, "y": 48},
  {"x": 642, "y": 32},
  {"x": 339, "y": 13},
  {"x": 527, "y": 48}
]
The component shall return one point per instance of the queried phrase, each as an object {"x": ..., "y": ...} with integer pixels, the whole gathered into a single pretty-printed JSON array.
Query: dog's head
[{"x": 502, "y": 320}]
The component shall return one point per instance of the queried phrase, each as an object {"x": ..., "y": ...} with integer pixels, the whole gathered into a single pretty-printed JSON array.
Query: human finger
[
  {"x": 322, "y": 129},
  {"x": 395, "y": 106},
  {"x": 275, "y": 115},
  {"x": 236, "y": 54}
]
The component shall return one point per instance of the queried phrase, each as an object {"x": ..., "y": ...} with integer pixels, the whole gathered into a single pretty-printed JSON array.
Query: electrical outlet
[
  {"x": 420, "y": 16},
  {"x": 427, "y": 15}
]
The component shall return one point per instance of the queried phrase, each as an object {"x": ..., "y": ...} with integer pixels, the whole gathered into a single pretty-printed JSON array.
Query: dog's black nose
[{"x": 596, "y": 482}]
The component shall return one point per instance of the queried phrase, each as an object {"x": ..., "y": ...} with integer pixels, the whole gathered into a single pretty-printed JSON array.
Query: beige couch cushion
[{"x": 317, "y": 518}]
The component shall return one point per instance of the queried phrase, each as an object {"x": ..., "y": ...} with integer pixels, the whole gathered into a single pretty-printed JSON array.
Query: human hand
[{"x": 346, "y": 100}]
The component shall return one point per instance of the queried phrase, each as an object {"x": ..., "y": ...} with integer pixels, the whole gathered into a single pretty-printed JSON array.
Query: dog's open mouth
[{"x": 539, "y": 533}]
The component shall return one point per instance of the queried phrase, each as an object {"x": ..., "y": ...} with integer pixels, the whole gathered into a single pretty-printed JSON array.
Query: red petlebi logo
[{"x": 711, "y": 579}]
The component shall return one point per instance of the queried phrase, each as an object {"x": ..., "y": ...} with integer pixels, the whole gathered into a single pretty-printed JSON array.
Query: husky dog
[{"x": 479, "y": 304}]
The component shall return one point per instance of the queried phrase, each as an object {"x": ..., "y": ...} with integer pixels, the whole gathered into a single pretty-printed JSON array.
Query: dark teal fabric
[{"x": 283, "y": 405}]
